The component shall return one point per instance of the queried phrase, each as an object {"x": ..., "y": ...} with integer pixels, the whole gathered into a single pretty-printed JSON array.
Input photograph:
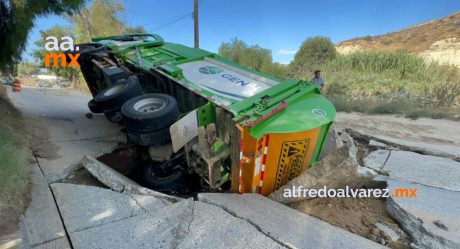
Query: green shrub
[
  {"x": 312, "y": 55},
  {"x": 392, "y": 76}
]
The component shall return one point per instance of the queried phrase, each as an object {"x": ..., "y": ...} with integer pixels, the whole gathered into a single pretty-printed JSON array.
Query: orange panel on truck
[{"x": 271, "y": 161}]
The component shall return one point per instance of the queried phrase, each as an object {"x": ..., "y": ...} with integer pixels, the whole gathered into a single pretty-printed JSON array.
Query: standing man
[{"x": 318, "y": 80}]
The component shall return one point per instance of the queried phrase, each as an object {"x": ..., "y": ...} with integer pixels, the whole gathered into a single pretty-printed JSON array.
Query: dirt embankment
[
  {"x": 436, "y": 40},
  {"x": 15, "y": 161}
]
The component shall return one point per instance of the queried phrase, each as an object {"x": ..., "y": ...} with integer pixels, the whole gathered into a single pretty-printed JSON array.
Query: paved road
[{"x": 62, "y": 132}]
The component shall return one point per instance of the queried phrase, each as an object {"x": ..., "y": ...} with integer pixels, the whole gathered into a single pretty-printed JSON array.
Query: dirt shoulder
[
  {"x": 15, "y": 158},
  {"x": 423, "y": 130}
]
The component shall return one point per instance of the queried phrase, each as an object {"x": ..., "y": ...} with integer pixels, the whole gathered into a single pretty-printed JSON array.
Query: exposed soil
[
  {"x": 39, "y": 142},
  {"x": 357, "y": 215},
  {"x": 18, "y": 201}
]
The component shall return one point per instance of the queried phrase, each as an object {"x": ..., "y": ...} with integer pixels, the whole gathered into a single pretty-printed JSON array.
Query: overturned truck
[{"x": 238, "y": 129}]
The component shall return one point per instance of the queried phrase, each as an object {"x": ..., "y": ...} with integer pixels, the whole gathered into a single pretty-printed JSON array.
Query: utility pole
[{"x": 195, "y": 24}]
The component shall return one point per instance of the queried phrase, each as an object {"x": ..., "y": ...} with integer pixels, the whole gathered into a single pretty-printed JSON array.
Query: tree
[
  {"x": 249, "y": 56},
  {"x": 312, "y": 55},
  {"x": 101, "y": 18},
  {"x": 275, "y": 69},
  {"x": 17, "y": 19},
  {"x": 28, "y": 69},
  {"x": 253, "y": 56}
]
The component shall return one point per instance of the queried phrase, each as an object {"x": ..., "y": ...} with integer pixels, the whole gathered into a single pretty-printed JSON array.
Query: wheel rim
[
  {"x": 149, "y": 105},
  {"x": 115, "y": 89}
]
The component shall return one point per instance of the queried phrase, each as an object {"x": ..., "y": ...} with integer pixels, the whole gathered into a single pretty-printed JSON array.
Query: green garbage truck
[{"x": 237, "y": 129}]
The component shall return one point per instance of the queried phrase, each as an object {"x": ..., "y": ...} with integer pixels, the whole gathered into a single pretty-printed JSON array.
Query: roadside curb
[{"x": 41, "y": 224}]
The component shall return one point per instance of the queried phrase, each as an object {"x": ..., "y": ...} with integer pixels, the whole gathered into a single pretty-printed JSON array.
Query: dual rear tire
[{"x": 148, "y": 118}]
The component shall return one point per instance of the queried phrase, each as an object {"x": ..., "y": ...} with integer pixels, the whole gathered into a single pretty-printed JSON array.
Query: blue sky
[{"x": 280, "y": 25}]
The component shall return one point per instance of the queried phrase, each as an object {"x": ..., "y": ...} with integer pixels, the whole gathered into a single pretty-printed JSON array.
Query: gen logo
[{"x": 210, "y": 70}]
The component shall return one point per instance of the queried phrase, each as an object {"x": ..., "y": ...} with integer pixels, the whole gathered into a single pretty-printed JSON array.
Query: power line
[
  {"x": 174, "y": 21},
  {"x": 164, "y": 19}
]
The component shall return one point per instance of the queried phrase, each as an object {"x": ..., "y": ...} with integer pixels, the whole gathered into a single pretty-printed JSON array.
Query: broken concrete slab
[
  {"x": 41, "y": 221},
  {"x": 350, "y": 143},
  {"x": 105, "y": 174},
  {"x": 377, "y": 159},
  {"x": 62, "y": 243},
  {"x": 331, "y": 143},
  {"x": 69, "y": 153},
  {"x": 185, "y": 224},
  {"x": 374, "y": 143},
  {"x": 334, "y": 171},
  {"x": 149, "y": 203},
  {"x": 139, "y": 190},
  {"x": 223, "y": 231},
  {"x": 273, "y": 218},
  {"x": 432, "y": 218},
  {"x": 432, "y": 171},
  {"x": 388, "y": 231},
  {"x": 142, "y": 231},
  {"x": 119, "y": 182},
  {"x": 441, "y": 150},
  {"x": 83, "y": 207}
]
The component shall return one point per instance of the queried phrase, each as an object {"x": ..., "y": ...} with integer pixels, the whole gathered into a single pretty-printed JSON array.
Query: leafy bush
[{"x": 312, "y": 55}]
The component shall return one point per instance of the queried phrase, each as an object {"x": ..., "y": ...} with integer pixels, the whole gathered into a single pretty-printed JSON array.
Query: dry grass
[{"x": 14, "y": 165}]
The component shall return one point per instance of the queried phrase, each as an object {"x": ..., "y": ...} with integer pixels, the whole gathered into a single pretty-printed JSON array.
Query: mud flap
[{"x": 184, "y": 130}]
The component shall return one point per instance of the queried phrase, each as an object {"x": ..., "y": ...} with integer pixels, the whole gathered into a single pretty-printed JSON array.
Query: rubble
[{"x": 432, "y": 218}]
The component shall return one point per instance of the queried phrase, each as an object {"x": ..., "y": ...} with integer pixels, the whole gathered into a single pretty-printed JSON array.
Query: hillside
[{"x": 437, "y": 39}]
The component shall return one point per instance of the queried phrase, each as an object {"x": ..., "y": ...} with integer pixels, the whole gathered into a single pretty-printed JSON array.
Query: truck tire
[
  {"x": 113, "y": 97},
  {"x": 150, "y": 112},
  {"x": 149, "y": 138},
  {"x": 93, "y": 107},
  {"x": 173, "y": 181}
]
